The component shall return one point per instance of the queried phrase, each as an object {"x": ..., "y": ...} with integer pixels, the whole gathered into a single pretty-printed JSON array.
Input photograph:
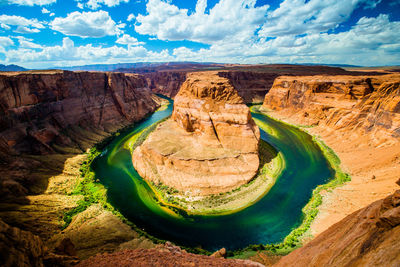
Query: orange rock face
[
  {"x": 367, "y": 103},
  {"x": 61, "y": 112},
  {"x": 211, "y": 128},
  {"x": 368, "y": 237}
]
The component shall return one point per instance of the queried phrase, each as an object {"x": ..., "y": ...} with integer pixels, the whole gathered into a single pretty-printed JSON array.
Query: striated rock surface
[
  {"x": 367, "y": 103},
  {"x": 61, "y": 112},
  {"x": 37, "y": 110},
  {"x": 47, "y": 118},
  {"x": 368, "y": 237},
  {"x": 210, "y": 128},
  {"x": 23, "y": 249}
]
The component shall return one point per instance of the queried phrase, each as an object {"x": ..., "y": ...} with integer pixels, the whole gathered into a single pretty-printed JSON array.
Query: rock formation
[
  {"x": 368, "y": 237},
  {"x": 367, "y": 103},
  {"x": 211, "y": 128},
  {"x": 65, "y": 112},
  {"x": 46, "y": 119}
]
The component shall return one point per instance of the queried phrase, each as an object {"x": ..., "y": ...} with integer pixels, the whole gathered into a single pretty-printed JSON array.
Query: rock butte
[{"x": 211, "y": 128}]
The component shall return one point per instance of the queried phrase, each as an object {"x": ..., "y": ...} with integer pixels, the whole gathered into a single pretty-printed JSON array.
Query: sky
[{"x": 50, "y": 33}]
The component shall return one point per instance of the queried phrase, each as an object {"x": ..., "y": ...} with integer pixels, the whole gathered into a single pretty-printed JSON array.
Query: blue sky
[{"x": 48, "y": 33}]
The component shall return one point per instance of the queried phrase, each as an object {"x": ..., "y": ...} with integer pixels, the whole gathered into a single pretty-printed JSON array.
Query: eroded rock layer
[
  {"x": 211, "y": 128},
  {"x": 61, "y": 112},
  {"x": 370, "y": 104}
]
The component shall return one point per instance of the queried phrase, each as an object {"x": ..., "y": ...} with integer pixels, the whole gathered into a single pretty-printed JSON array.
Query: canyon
[{"x": 50, "y": 118}]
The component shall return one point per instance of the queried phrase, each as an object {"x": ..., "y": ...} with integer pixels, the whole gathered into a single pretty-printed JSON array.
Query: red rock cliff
[
  {"x": 370, "y": 104},
  {"x": 42, "y": 112},
  {"x": 60, "y": 112}
]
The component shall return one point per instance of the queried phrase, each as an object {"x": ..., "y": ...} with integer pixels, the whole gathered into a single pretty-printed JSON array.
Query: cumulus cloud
[
  {"x": 95, "y": 4},
  {"x": 69, "y": 54},
  {"x": 87, "y": 24},
  {"x": 24, "y": 29},
  {"x": 45, "y": 10},
  {"x": 297, "y": 17},
  {"x": 31, "y": 2},
  {"x": 130, "y": 17},
  {"x": 372, "y": 41},
  {"x": 20, "y": 21},
  {"x": 27, "y": 43},
  {"x": 128, "y": 40},
  {"x": 228, "y": 19},
  {"x": 5, "y": 42}
]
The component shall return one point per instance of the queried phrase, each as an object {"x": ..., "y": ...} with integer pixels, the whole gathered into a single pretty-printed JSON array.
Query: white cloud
[
  {"x": 45, "y": 10},
  {"x": 128, "y": 40},
  {"x": 68, "y": 54},
  {"x": 232, "y": 20},
  {"x": 87, "y": 24},
  {"x": 5, "y": 26},
  {"x": 372, "y": 41},
  {"x": 51, "y": 14},
  {"x": 31, "y": 2},
  {"x": 130, "y": 17},
  {"x": 24, "y": 29},
  {"x": 95, "y": 4},
  {"x": 20, "y": 21},
  {"x": 27, "y": 43},
  {"x": 79, "y": 5},
  {"x": 5, "y": 42},
  {"x": 297, "y": 17}
]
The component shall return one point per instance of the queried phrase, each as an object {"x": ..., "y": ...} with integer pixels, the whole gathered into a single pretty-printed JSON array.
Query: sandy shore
[{"x": 374, "y": 169}]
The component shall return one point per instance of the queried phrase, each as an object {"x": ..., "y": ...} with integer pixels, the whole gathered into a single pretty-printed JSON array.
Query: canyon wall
[
  {"x": 370, "y": 104},
  {"x": 62, "y": 112}
]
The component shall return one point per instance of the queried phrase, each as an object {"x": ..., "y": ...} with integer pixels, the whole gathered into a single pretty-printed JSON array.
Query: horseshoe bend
[
  {"x": 209, "y": 146},
  {"x": 96, "y": 162}
]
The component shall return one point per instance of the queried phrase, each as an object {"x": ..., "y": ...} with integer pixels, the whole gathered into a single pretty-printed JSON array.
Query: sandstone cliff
[
  {"x": 370, "y": 104},
  {"x": 63, "y": 112},
  {"x": 47, "y": 118},
  {"x": 211, "y": 128},
  {"x": 368, "y": 237}
]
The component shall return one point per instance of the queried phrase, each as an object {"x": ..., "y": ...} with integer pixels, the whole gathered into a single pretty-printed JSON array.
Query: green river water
[{"x": 267, "y": 221}]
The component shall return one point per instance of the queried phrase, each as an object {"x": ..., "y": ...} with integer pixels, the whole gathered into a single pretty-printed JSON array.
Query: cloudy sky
[{"x": 48, "y": 33}]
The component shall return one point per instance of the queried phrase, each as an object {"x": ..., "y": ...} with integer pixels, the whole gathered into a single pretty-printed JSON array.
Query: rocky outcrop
[
  {"x": 368, "y": 237},
  {"x": 22, "y": 248},
  {"x": 64, "y": 112},
  {"x": 47, "y": 119},
  {"x": 367, "y": 103},
  {"x": 211, "y": 128}
]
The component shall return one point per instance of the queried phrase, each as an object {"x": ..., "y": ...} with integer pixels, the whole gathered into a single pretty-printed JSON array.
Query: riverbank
[{"x": 374, "y": 167}]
